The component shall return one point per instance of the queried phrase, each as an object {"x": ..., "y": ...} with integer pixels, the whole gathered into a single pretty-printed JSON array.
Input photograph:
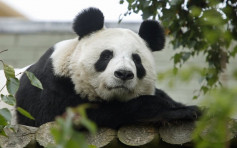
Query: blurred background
[{"x": 28, "y": 28}]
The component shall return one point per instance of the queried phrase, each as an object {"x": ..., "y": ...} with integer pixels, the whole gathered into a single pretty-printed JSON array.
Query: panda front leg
[
  {"x": 146, "y": 109},
  {"x": 162, "y": 109},
  {"x": 178, "y": 111}
]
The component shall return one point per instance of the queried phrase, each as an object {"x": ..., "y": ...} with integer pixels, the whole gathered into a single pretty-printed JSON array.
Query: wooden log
[
  {"x": 43, "y": 134},
  {"x": 102, "y": 137},
  {"x": 19, "y": 138},
  {"x": 136, "y": 135},
  {"x": 128, "y": 135},
  {"x": 177, "y": 133}
]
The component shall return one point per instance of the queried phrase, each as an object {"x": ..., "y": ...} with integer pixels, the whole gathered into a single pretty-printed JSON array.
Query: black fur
[
  {"x": 50, "y": 102},
  {"x": 141, "y": 72},
  {"x": 153, "y": 34},
  {"x": 88, "y": 21},
  {"x": 147, "y": 109},
  {"x": 103, "y": 61},
  {"x": 58, "y": 94}
]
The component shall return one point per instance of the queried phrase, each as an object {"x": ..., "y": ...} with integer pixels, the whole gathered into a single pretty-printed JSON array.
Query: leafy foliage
[
  {"x": 6, "y": 114},
  {"x": 83, "y": 119},
  {"x": 9, "y": 99},
  {"x": 217, "y": 119},
  {"x": 25, "y": 113},
  {"x": 207, "y": 28},
  {"x": 204, "y": 26},
  {"x": 12, "y": 85},
  {"x": 65, "y": 134},
  {"x": 174, "y": 77}
]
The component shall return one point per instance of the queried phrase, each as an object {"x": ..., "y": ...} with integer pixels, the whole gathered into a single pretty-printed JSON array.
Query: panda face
[{"x": 112, "y": 64}]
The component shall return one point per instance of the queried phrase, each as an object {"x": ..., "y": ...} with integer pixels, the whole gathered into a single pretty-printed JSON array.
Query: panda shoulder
[
  {"x": 62, "y": 51},
  {"x": 64, "y": 47}
]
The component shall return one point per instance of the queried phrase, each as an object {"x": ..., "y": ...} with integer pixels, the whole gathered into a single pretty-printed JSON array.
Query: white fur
[
  {"x": 77, "y": 58},
  {"x": 61, "y": 54}
]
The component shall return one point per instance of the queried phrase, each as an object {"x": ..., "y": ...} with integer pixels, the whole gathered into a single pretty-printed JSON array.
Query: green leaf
[
  {"x": 77, "y": 140},
  {"x": 211, "y": 36},
  {"x": 8, "y": 71},
  {"x": 234, "y": 52},
  {"x": 91, "y": 126},
  {"x": 3, "y": 121},
  {"x": 10, "y": 100},
  {"x": 145, "y": 3},
  {"x": 57, "y": 134},
  {"x": 4, "y": 112},
  {"x": 146, "y": 13},
  {"x": 25, "y": 113},
  {"x": 1, "y": 129},
  {"x": 185, "y": 56},
  {"x": 81, "y": 109},
  {"x": 175, "y": 70},
  {"x": 92, "y": 146},
  {"x": 33, "y": 80},
  {"x": 195, "y": 97},
  {"x": 195, "y": 11},
  {"x": 204, "y": 89},
  {"x": 177, "y": 58},
  {"x": 65, "y": 135},
  {"x": 12, "y": 85}
]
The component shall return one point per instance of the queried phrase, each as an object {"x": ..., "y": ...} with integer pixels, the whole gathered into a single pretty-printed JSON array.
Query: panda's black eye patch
[
  {"x": 141, "y": 72},
  {"x": 136, "y": 58},
  {"x": 106, "y": 55},
  {"x": 103, "y": 60}
]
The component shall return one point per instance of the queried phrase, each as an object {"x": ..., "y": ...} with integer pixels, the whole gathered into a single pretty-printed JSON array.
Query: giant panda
[{"x": 110, "y": 68}]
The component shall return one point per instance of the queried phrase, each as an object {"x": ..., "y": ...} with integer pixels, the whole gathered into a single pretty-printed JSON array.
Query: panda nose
[{"x": 124, "y": 75}]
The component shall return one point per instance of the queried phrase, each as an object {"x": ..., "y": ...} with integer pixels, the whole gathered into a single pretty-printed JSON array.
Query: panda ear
[
  {"x": 153, "y": 34},
  {"x": 88, "y": 21}
]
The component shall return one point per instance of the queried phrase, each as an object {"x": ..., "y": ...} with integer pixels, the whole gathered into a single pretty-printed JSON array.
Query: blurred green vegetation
[
  {"x": 12, "y": 84},
  {"x": 64, "y": 132},
  {"x": 217, "y": 119},
  {"x": 205, "y": 28}
]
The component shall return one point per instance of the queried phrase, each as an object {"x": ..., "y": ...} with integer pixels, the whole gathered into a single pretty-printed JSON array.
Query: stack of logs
[{"x": 179, "y": 134}]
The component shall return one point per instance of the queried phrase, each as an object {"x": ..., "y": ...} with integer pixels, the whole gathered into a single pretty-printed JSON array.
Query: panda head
[{"x": 113, "y": 63}]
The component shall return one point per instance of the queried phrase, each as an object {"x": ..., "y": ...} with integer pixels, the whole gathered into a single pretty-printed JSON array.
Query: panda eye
[
  {"x": 103, "y": 60},
  {"x": 106, "y": 55},
  {"x": 136, "y": 58}
]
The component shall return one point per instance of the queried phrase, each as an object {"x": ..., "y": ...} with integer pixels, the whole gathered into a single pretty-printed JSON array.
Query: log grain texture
[{"x": 135, "y": 135}]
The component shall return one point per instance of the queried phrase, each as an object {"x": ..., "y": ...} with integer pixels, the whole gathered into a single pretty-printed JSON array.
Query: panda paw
[
  {"x": 187, "y": 113},
  {"x": 174, "y": 116}
]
